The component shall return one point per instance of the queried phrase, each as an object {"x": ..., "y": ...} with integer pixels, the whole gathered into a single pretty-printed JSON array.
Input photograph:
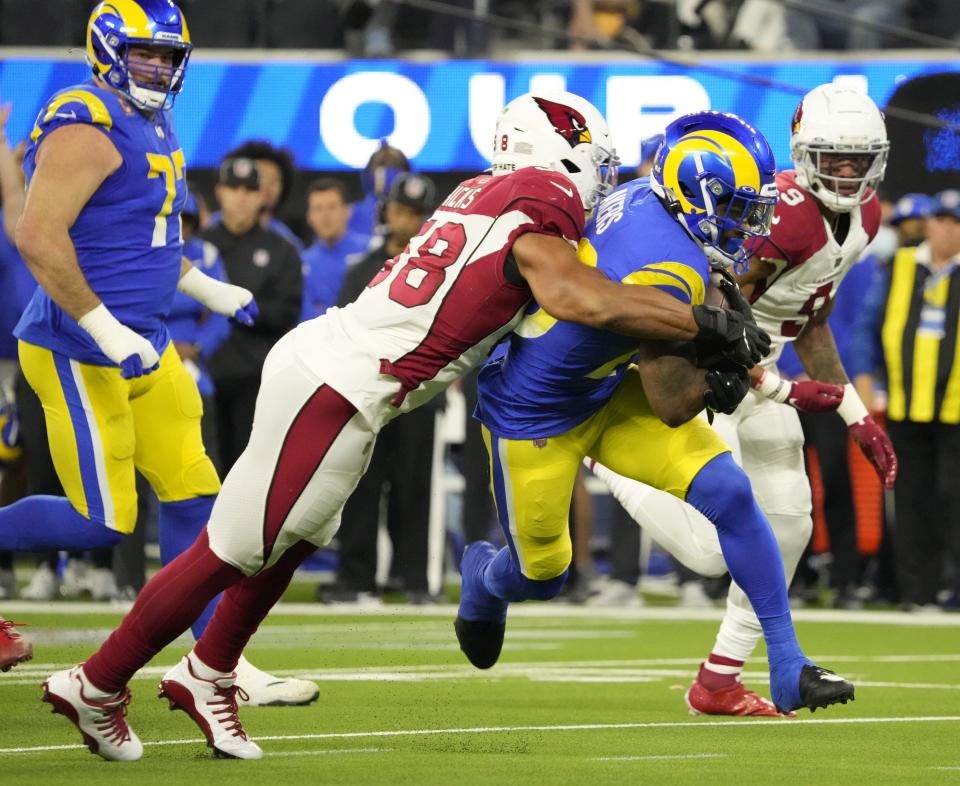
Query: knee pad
[
  {"x": 721, "y": 489},
  {"x": 200, "y": 478},
  {"x": 549, "y": 560}
]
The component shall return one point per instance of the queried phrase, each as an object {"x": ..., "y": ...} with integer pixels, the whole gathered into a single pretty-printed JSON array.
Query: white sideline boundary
[
  {"x": 25, "y": 609},
  {"x": 730, "y": 724}
]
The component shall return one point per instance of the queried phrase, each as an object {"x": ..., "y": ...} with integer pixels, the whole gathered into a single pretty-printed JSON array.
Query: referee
[{"x": 908, "y": 330}]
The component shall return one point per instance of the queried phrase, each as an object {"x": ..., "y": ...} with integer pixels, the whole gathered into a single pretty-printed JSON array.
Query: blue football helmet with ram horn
[
  {"x": 715, "y": 173},
  {"x": 117, "y": 25}
]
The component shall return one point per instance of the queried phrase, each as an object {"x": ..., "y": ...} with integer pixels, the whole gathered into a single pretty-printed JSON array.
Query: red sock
[
  {"x": 243, "y": 607},
  {"x": 719, "y": 672},
  {"x": 166, "y": 606}
]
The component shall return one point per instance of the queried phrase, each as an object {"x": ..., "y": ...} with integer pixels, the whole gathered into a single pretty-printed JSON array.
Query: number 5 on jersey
[
  {"x": 422, "y": 275},
  {"x": 171, "y": 168}
]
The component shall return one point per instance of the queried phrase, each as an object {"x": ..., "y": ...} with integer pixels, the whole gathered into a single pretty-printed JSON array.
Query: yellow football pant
[
  {"x": 102, "y": 427},
  {"x": 532, "y": 480}
]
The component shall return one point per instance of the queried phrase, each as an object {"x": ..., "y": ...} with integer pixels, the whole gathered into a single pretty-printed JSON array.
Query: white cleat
[
  {"x": 76, "y": 578},
  {"x": 44, "y": 585},
  {"x": 212, "y": 703},
  {"x": 103, "y": 585},
  {"x": 260, "y": 689},
  {"x": 101, "y": 720}
]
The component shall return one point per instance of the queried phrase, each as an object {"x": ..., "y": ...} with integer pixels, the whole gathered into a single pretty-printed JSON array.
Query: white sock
[{"x": 203, "y": 671}]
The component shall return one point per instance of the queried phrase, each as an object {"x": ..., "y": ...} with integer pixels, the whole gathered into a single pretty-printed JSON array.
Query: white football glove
[
  {"x": 231, "y": 301},
  {"x": 128, "y": 349}
]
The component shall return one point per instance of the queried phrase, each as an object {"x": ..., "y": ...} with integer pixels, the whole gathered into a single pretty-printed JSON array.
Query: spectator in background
[
  {"x": 378, "y": 175},
  {"x": 196, "y": 331},
  {"x": 908, "y": 329},
  {"x": 909, "y": 219},
  {"x": 606, "y": 24},
  {"x": 809, "y": 30},
  {"x": 403, "y": 453},
  {"x": 265, "y": 263},
  {"x": 275, "y": 166},
  {"x": 760, "y": 25},
  {"x": 334, "y": 249}
]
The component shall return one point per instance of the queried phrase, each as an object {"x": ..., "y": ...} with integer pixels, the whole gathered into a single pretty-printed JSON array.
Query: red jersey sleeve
[
  {"x": 798, "y": 229},
  {"x": 551, "y": 201}
]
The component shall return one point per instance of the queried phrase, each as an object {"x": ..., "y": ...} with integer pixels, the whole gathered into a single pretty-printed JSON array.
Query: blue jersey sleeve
[
  {"x": 678, "y": 279},
  {"x": 79, "y": 104},
  {"x": 684, "y": 280}
]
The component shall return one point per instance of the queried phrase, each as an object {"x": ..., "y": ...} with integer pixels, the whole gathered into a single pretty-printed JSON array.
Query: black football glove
[
  {"x": 725, "y": 388},
  {"x": 728, "y": 334},
  {"x": 735, "y": 299}
]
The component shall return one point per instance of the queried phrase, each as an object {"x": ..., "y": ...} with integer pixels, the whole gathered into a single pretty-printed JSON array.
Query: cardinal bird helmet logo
[{"x": 567, "y": 122}]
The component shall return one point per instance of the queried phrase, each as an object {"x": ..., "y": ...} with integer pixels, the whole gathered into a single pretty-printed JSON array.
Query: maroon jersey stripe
[{"x": 306, "y": 443}]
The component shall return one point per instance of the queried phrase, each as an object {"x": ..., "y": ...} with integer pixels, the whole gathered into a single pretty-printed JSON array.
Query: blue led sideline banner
[{"x": 332, "y": 114}]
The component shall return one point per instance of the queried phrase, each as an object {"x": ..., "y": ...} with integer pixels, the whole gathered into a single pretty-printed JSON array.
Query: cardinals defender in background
[{"x": 827, "y": 214}]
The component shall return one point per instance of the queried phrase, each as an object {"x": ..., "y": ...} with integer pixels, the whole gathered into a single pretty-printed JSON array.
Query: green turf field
[{"x": 580, "y": 697}]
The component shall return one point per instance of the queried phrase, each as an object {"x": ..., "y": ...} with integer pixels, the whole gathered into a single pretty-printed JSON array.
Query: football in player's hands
[{"x": 715, "y": 296}]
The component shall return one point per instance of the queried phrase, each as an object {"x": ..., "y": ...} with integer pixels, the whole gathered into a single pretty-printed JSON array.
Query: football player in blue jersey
[
  {"x": 100, "y": 231},
  {"x": 560, "y": 392}
]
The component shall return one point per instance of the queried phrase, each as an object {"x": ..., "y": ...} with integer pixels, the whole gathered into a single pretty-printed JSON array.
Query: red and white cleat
[
  {"x": 101, "y": 721},
  {"x": 14, "y": 648},
  {"x": 735, "y": 700},
  {"x": 212, "y": 703}
]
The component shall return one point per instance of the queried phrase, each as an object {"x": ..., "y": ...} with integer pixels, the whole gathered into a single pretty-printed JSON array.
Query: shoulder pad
[{"x": 74, "y": 105}]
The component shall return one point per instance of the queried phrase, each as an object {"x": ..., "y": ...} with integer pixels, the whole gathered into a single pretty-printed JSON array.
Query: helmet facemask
[
  {"x": 732, "y": 218},
  {"x": 606, "y": 165},
  {"x": 817, "y": 164}
]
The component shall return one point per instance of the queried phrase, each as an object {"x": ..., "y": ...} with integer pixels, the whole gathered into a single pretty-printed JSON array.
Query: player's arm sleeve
[
  {"x": 685, "y": 282},
  {"x": 866, "y": 347},
  {"x": 281, "y": 301},
  {"x": 72, "y": 106},
  {"x": 215, "y": 328}
]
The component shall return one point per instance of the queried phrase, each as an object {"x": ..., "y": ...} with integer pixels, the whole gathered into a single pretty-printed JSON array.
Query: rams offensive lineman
[
  {"x": 563, "y": 391},
  {"x": 100, "y": 231}
]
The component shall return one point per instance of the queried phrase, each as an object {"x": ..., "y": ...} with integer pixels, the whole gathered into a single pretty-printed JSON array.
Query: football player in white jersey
[
  {"x": 427, "y": 318},
  {"x": 827, "y": 214}
]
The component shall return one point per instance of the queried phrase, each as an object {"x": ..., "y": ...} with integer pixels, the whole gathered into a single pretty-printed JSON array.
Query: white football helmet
[
  {"x": 833, "y": 124},
  {"x": 562, "y": 132}
]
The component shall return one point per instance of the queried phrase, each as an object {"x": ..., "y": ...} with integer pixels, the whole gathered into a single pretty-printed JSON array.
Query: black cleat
[
  {"x": 821, "y": 688},
  {"x": 481, "y": 641}
]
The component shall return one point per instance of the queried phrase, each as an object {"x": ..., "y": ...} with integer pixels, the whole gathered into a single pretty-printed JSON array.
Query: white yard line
[
  {"x": 727, "y": 724},
  {"x": 519, "y": 611},
  {"x": 331, "y": 751},
  {"x": 663, "y": 758}
]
